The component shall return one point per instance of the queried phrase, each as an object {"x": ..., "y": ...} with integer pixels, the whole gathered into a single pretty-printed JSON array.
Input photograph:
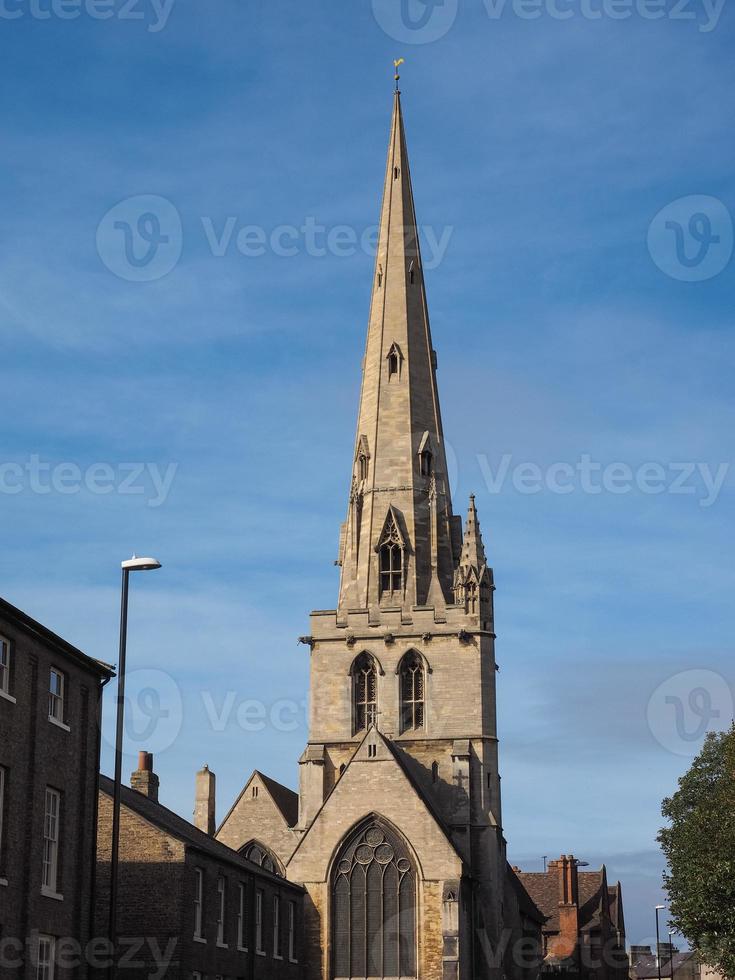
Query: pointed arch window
[
  {"x": 390, "y": 553},
  {"x": 395, "y": 360},
  {"x": 374, "y": 922},
  {"x": 426, "y": 455},
  {"x": 365, "y": 692},
  {"x": 363, "y": 459},
  {"x": 413, "y": 692},
  {"x": 259, "y": 854}
]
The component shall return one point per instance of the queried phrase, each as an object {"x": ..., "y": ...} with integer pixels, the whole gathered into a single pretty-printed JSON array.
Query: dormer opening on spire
[
  {"x": 412, "y": 273},
  {"x": 426, "y": 456},
  {"x": 395, "y": 362},
  {"x": 390, "y": 558},
  {"x": 362, "y": 459}
]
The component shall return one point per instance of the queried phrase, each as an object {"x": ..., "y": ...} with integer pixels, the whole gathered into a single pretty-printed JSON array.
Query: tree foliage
[{"x": 699, "y": 844}]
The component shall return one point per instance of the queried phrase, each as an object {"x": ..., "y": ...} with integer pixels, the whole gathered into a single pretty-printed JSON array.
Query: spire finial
[{"x": 397, "y": 64}]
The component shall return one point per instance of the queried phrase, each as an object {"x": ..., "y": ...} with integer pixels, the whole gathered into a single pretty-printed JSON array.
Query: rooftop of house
[
  {"x": 171, "y": 823},
  {"x": 24, "y": 622}
]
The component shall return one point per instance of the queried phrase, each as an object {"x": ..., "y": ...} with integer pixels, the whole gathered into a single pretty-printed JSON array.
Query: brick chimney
[
  {"x": 144, "y": 780},
  {"x": 565, "y": 871},
  {"x": 204, "y": 801}
]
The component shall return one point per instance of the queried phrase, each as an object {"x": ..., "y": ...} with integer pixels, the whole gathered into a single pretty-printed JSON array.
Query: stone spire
[
  {"x": 473, "y": 552},
  {"x": 399, "y": 491}
]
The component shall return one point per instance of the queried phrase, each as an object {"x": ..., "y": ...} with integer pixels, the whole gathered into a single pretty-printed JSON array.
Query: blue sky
[{"x": 542, "y": 150}]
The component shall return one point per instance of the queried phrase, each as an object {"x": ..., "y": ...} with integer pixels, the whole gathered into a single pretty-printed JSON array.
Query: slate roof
[
  {"x": 171, "y": 823},
  {"x": 645, "y": 968},
  {"x": 285, "y": 799}
]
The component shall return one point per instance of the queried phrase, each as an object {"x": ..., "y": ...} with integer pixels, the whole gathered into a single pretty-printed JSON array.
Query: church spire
[
  {"x": 473, "y": 552},
  {"x": 400, "y": 539}
]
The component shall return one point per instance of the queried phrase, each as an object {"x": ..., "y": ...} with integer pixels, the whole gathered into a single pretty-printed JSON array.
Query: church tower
[{"x": 398, "y": 839}]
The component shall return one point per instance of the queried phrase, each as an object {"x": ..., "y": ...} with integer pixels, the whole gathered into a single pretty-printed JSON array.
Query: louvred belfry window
[
  {"x": 391, "y": 560},
  {"x": 365, "y": 680},
  {"x": 260, "y": 855},
  {"x": 412, "y": 693},
  {"x": 374, "y": 907}
]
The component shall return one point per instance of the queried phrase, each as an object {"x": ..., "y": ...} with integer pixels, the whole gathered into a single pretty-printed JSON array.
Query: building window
[
  {"x": 221, "y": 904},
  {"x": 394, "y": 358},
  {"x": 241, "y": 918},
  {"x": 45, "y": 965},
  {"x": 3, "y": 783},
  {"x": 259, "y": 922},
  {"x": 292, "y": 932},
  {"x": 412, "y": 692},
  {"x": 365, "y": 684},
  {"x": 255, "y": 792},
  {"x": 374, "y": 932},
  {"x": 4, "y": 665},
  {"x": 56, "y": 696},
  {"x": 196, "y": 975},
  {"x": 51, "y": 840},
  {"x": 434, "y": 772},
  {"x": 198, "y": 902},
  {"x": 390, "y": 556},
  {"x": 259, "y": 854},
  {"x": 277, "y": 927},
  {"x": 426, "y": 461},
  {"x": 362, "y": 466}
]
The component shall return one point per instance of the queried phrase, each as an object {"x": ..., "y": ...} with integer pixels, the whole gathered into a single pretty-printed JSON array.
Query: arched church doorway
[{"x": 374, "y": 920}]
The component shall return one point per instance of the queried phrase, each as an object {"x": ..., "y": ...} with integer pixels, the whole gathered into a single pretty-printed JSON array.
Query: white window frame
[
  {"x": 57, "y": 698},
  {"x": 277, "y": 951},
  {"x": 241, "y": 910},
  {"x": 259, "y": 895},
  {"x": 5, "y": 655},
  {"x": 292, "y": 932},
  {"x": 221, "y": 910},
  {"x": 45, "y": 958},
  {"x": 51, "y": 840},
  {"x": 198, "y": 904}
]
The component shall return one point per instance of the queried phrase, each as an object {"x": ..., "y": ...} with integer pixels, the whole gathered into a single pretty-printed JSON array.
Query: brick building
[
  {"x": 50, "y": 697},
  {"x": 190, "y": 907},
  {"x": 584, "y": 932}
]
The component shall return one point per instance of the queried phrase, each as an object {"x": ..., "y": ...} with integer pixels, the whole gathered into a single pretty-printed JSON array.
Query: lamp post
[
  {"x": 659, "y": 908},
  {"x": 671, "y": 952},
  {"x": 133, "y": 564}
]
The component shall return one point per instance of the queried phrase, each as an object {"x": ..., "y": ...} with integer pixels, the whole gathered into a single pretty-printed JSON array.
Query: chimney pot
[{"x": 144, "y": 780}]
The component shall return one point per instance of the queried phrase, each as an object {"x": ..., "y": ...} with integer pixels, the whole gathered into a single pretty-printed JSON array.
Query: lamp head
[
  {"x": 660, "y": 907},
  {"x": 136, "y": 564}
]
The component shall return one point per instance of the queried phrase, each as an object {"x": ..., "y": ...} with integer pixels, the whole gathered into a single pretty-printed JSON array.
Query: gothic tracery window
[
  {"x": 412, "y": 678},
  {"x": 374, "y": 907},
  {"x": 391, "y": 560},
  {"x": 365, "y": 686},
  {"x": 260, "y": 855}
]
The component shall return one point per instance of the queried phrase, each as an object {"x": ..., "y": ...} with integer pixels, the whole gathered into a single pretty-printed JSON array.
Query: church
[{"x": 396, "y": 833}]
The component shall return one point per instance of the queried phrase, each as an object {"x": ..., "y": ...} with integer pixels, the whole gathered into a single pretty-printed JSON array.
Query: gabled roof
[
  {"x": 24, "y": 622},
  {"x": 284, "y": 799},
  {"x": 374, "y": 734},
  {"x": 171, "y": 823},
  {"x": 525, "y": 903},
  {"x": 594, "y": 897}
]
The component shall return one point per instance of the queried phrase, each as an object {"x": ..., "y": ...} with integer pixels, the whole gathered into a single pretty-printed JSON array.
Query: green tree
[{"x": 699, "y": 845}]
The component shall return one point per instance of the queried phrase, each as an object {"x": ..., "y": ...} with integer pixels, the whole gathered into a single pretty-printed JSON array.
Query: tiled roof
[
  {"x": 544, "y": 890},
  {"x": 645, "y": 967},
  {"x": 525, "y": 903},
  {"x": 171, "y": 823}
]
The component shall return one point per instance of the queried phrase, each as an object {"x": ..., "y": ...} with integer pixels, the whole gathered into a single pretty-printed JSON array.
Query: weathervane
[{"x": 397, "y": 64}]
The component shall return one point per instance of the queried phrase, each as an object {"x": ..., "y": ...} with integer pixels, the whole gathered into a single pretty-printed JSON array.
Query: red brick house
[{"x": 584, "y": 933}]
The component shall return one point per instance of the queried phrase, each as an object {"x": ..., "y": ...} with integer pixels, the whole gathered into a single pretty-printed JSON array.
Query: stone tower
[{"x": 399, "y": 781}]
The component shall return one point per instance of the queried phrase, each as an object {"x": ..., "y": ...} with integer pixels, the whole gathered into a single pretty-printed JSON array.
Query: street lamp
[
  {"x": 672, "y": 933},
  {"x": 133, "y": 564},
  {"x": 659, "y": 908}
]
